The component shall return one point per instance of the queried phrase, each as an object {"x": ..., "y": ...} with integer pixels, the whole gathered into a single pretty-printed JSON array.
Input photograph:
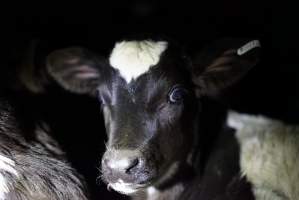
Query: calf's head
[{"x": 149, "y": 93}]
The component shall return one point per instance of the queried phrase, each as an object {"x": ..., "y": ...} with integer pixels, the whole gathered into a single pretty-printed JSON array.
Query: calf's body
[{"x": 268, "y": 156}]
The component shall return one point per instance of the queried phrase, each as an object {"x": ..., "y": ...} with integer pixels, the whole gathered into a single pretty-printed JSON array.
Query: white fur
[
  {"x": 269, "y": 155},
  {"x": 122, "y": 187},
  {"x": 3, "y": 187},
  {"x": 7, "y": 166},
  {"x": 152, "y": 190},
  {"x": 152, "y": 193},
  {"x": 134, "y": 58}
]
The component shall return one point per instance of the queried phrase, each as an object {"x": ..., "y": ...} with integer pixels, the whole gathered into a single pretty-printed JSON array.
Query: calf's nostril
[{"x": 133, "y": 164}]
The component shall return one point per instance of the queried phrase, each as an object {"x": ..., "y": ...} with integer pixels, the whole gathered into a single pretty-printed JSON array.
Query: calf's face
[
  {"x": 144, "y": 111},
  {"x": 149, "y": 92}
]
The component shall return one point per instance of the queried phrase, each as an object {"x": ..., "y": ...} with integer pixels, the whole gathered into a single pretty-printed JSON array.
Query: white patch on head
[
  {"x": 7, "y": 166},
  {"x": 134, "y": 58},
  {"x": 122, "y": 187}
]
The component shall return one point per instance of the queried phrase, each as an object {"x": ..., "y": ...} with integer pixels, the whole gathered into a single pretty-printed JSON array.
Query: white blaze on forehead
[
  {"x": 6, "y": 166},
  {"x": 134, "y": 58}
]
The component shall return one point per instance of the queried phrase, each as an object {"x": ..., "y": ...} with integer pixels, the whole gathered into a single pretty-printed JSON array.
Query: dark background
[{"x": 271, "y": 88}]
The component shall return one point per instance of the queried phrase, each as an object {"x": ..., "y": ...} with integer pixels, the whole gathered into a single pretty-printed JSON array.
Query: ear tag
[{"x": 247, "y": 47}]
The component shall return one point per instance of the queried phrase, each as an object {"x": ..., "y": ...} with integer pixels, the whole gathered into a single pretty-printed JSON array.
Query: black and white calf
[
  {"x": 150, "y": 93},
  {"x": 32, "y": 165}
]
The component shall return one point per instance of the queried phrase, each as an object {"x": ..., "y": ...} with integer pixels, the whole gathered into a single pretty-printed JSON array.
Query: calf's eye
[{"x": 176, "y": 94}]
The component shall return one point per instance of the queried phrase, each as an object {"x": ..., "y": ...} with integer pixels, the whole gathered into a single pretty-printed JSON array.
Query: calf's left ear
[
  {"x": 77, "y": 69},
  {"x": 222, "y": 63}
]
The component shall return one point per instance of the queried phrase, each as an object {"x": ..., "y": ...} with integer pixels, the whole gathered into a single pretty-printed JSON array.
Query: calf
[
  {"x": 150, "y": 92},
  {"x": 269, "y": 155}
]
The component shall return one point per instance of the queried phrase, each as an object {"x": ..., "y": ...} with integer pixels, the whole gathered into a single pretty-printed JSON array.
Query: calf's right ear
[
  {"x": 77, "y": 70},
  {"x": 222, "y": 63}
]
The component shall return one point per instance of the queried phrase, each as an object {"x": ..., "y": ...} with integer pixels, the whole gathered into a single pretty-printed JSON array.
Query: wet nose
[{"x": 122, "y": 161}]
